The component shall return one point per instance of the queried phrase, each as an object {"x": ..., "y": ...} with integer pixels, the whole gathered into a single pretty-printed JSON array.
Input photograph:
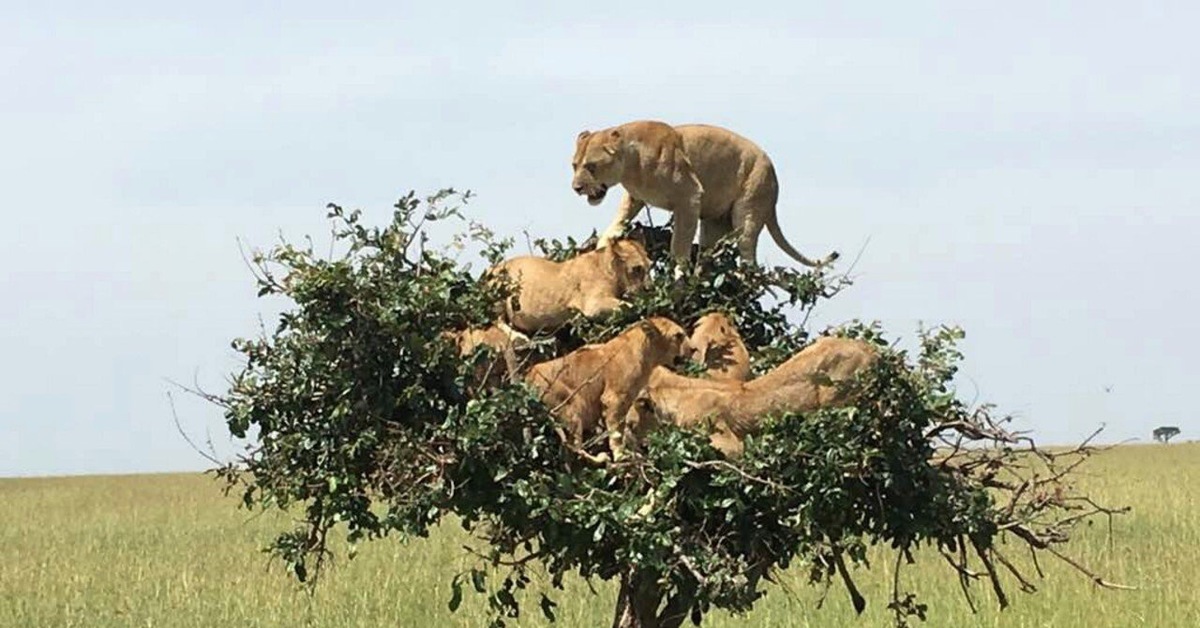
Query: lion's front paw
[
  {"x": 616, "y": 444},
  {"x": 609, "y": 236},
  {"x": 596, "y": 460}
]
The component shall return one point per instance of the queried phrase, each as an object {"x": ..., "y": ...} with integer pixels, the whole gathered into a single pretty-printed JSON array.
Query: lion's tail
[{"x": 777, "y": 236}]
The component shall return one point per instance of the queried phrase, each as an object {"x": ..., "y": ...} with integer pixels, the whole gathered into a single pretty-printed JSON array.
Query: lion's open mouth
[{"x": 596, "y": 197}]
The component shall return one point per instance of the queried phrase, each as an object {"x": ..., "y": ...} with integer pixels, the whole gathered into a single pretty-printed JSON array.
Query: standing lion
[{"x": 709, "y": 177}]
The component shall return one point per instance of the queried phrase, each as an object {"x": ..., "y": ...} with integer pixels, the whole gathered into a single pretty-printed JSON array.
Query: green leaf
[
  {"x": 456, "y": 593},
  {"x": 477, "y": 580},
  {"x": 548, "y": 605}
]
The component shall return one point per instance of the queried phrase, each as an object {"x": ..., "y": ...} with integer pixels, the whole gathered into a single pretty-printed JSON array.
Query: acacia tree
[
  {"x": 1165, "y": 433},
  {"x": 362, "y": 416}
]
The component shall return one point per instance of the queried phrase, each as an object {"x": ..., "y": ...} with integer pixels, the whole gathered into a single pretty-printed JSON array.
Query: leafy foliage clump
[{"x": 362, "y": 414}]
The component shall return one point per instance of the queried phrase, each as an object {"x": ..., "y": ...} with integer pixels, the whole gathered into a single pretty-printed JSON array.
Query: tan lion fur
[
  {"x": 593, "y": 387},
  {"x": 505, "y": 343},
  {"x": 710, "y": 178},
  {"x": 720, "y": 348},
  {"x": 547, "y": 293},
  {"x": 730, "y": 410}
]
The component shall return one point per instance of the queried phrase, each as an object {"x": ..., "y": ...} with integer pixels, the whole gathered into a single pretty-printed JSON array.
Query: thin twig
[
  {"x": 722, "y": 464},
  {"x": 964, "y": 582},
  {"x": 496, "y": 560},
  {"x": 1094, "y": 578},
  {"x": 186, "y": 438}
]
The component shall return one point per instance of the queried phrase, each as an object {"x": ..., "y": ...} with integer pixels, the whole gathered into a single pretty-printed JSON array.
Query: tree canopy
[
  {"x": 1165, "y": 433},
  {"x": 362, "y": 417}
]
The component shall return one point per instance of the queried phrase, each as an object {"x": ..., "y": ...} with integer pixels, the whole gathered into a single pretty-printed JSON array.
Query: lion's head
[
  {"x": 598, "y": 164},
  {"x": 668, "y": 339},
  {"x": 720, "y": 348},
  {"x": 629, "y": 262}
]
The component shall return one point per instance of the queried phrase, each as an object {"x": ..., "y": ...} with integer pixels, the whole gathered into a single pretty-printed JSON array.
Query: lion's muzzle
[{"x": 594, "y": 196}]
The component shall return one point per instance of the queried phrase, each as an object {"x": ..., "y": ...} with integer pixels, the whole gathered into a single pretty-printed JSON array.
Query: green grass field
[{"x": 170, "y": 550}]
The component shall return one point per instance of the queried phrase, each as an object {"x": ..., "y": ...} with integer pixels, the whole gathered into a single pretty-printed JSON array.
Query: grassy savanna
[{"x": 170, "y": 550}]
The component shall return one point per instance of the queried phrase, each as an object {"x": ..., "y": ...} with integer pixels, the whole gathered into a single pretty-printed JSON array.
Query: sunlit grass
[{"x": 170, "y": 550}]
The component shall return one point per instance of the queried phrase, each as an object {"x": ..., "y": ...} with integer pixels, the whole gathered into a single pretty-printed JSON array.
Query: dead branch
[
  {"x": 1091, "y": 575},
  {"x": 1001, "y": 597},
  {"x": 1026, "y": 586}
]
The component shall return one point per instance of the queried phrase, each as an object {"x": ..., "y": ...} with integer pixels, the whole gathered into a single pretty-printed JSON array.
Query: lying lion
[
  {"x": 548, "y": 293},
  {"x": 707, "y": 176},
  {"x": 731, "y": 410},
  {"x": 720, "y": 348},
  {"x": 595, "y": 386}
]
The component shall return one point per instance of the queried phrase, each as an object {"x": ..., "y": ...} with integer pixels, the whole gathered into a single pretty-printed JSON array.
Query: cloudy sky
[{"x": 1027, "y": 171}]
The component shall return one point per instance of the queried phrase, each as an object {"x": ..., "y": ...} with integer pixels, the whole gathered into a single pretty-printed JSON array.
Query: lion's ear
[
  {"x": 620, "y": 256},
  {"x": 637, "y": 233},
  {"x": 614, "y": 137},
  {"x": 614, "y": 257}
]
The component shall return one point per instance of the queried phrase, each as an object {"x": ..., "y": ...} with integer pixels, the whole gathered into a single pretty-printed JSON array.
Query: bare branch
[
  {"x": 1001, "y": 598},
  {"x": 1091, "y": 575},
  {"x": 721, "y": 464},
  {"x": 179, "y": 428}
]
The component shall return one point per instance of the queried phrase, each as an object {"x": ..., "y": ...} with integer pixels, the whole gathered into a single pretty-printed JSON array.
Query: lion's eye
[{"x": 590, "y": 167}]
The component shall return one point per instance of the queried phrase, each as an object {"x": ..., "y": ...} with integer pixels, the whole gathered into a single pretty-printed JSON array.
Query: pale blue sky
[{"x": 1027, "y": 171}]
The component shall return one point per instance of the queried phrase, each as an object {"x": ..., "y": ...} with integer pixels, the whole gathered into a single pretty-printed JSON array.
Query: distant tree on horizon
[{"x": 1165, "y": 433}]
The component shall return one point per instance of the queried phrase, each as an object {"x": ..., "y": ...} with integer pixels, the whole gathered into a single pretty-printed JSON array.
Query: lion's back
[{"x": 726, "y": 164}]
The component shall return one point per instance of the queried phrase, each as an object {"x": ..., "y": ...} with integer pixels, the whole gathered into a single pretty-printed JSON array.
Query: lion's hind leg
[
  {"x": 713, "y": 229},
  {"x": 749, "y": 227}
]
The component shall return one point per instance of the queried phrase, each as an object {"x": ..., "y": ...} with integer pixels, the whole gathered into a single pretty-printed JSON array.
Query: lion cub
[
  {"x": 503, "y": 342},
  {"x": 807, "y": 381},
  {"x": 720, "y": 348},
  {"x": 547, "y": 293},
  {"x": 594, "y": 386},
  {"x": 707, "y": 176}
]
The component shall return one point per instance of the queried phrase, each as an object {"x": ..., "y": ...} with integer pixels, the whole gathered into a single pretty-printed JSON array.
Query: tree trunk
[
  {"x": 639, "y": 598},
  {"x": 637, "y": 601}
]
